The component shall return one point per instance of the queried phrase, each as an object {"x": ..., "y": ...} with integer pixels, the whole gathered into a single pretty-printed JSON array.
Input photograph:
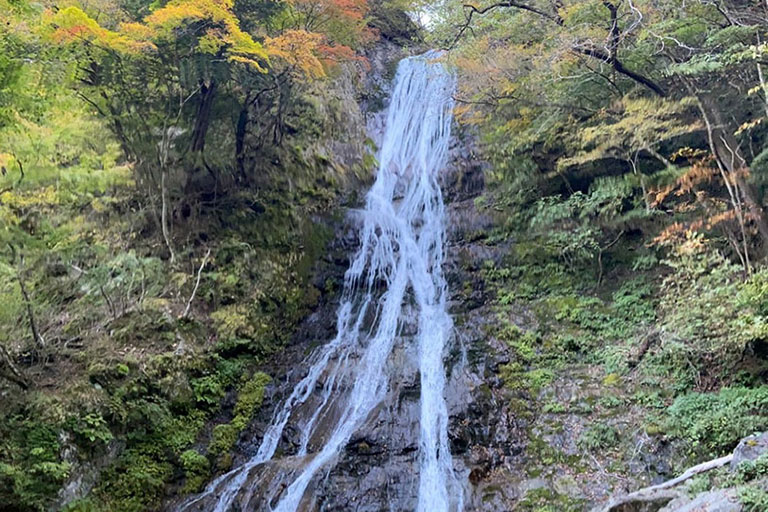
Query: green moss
[
  {"x": 83, "y": 505},
  {"x": 196, "y": 470},
  {"x": 554, "y": 407},
  {"x": 249, "y": 398},
  {"x": 531, "y": 381},
  {"x": 610, "y": 402},
  {"x": 547, "y": 500},
  {"x": 544, "y": 454},
  {"x": 223, "y": 439}
]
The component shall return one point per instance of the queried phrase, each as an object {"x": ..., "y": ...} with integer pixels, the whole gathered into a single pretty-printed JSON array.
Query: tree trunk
[
  {"x": 30, "y": 313},
  {"x": 728, "y": 153},
  {"x": 125, "y": 143},
  {"x": 240, "y": 131},
  {"x": 164, "y": 220},
  {"x": 203, "y": 117}
]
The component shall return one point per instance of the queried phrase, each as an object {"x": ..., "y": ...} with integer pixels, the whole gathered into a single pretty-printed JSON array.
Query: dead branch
[
  {"x": 664, "y": 490},
  {"x": 14, "y": 374},
  {"x": 197, "y": 283}
]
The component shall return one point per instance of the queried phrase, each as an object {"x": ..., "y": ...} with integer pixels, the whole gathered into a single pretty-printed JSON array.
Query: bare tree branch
[
  {"x": 589, "y": 49},
  {"x": 197, "y": 283}
]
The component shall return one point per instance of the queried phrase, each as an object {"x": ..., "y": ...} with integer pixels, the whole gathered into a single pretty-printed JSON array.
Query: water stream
[{"x": 398, "y": 266}]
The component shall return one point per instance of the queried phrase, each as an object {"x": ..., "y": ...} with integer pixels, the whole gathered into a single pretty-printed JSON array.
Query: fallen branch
[
  {"x": 664, "y": 490},
  {"x": 648, "y": 340},
  {"x": 197, "y": 284}
]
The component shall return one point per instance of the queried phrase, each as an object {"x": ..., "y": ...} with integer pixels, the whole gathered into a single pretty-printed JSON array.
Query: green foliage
[
  {"x": 223, "y": 439},
  {"x": 713, "y": 423},
  {"x": 135, "y": 481},
  {"x": 249, "y": 398},
  {"x": 208, "y": 390},
  {"x": 712, "y": 316},
  {"x": 547, "y": 500},
  {"x": 599, "y": 437},
  {"x": 196, "y": 470},
  {"x": 122, "y": 381},
  {"x": 91, "y": 429},
  {"x": 31, "y": 468},
  {"x": 753, "y": 498},
  {"x": 752, "y": 469}
]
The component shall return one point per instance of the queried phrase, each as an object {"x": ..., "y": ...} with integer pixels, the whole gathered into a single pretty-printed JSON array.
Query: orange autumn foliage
[
  {"x": 700, "y": 172},
  {"x": 308, "y": 53},
  {"x": 713, "y": 212},
  {"x": 297, "y": 50}
]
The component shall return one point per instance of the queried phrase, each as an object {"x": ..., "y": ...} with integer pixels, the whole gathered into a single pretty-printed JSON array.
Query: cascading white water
[{"x": 401, "y": 251}]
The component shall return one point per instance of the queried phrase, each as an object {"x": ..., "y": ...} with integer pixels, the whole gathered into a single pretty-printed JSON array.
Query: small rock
[
  {"x": 568, "y": 486},
  {"x": 533, "y": 484},
  {"x": 750, "y": 448}
]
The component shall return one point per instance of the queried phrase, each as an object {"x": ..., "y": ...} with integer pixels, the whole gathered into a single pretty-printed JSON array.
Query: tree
[
  {"x": 165, "y": 81},
  {"x": 567, "y": 83}
]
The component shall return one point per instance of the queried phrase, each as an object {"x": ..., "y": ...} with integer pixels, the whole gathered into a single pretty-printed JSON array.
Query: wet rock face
[
  {"x": 487, "y": 439},
  {"x": 378, "y": 469}
]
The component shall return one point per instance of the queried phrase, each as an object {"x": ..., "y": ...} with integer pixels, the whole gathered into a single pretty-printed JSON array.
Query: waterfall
[{"x": 398, "y": 264}]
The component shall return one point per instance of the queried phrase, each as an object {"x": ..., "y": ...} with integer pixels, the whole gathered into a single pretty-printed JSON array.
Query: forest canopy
[{"x": 666, "y": 96}]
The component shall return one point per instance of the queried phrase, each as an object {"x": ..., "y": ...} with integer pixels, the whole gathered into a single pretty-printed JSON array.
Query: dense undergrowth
[
  {"x": 667, "y": 344},
  {"x": 625, "y": 147},
  {"x": 123, "y": 381}
]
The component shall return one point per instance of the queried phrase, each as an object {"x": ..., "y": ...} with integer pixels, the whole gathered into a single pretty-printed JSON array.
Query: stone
[
  {"x": 721, "y": 500},
  {"x": 750, "y": 448},
  {"x": 568, "y": 486}
]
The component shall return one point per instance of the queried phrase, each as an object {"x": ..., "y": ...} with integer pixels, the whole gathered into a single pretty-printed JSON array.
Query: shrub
[
  {"x": 135, "y": 482},
  {"x": 196, "y": 470},
  {"x": 598, "y": 437},
  {"x": 710, "y": 312},
  {"x": 713, "y": 423}
]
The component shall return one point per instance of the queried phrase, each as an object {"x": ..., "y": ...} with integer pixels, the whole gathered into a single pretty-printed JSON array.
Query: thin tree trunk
[
  {"x": 732, "y": 165},
  {"x": 760, "y": 77},
  {"x": 240, "y": 131},
  {"x": 164, "y": 213},
  {"x": 39, "y": 341},
  {"x": 730, "y": 154},
  {"x": 13, "y": 374},
  {"x": 197, "y": 284}
]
